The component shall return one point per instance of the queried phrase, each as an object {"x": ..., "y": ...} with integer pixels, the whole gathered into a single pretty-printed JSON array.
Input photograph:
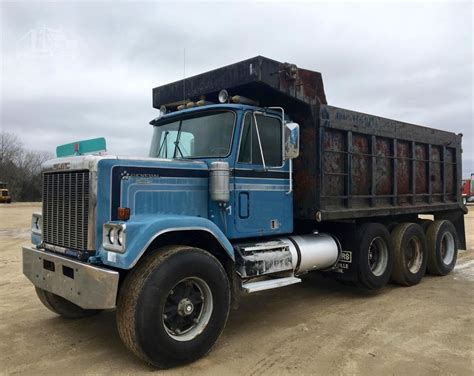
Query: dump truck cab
[{"x": 249, "y": 139}]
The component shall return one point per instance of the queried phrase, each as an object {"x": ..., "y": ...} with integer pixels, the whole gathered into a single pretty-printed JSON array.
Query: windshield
[{"x": 205, "y": 135}]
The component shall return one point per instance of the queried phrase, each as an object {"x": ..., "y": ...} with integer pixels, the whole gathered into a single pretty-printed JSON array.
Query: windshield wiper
[
  {"x": 163, "y": 143},
  {"x": 176, "y": 143},
  {"x": 177, "y": 148}
]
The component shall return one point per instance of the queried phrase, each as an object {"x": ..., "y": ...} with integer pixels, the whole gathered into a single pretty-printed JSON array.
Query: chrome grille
[{"x": 66, "y": 209}]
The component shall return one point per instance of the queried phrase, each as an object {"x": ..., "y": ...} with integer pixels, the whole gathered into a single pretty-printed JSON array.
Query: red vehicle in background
[{"x": 468, "y": 190}]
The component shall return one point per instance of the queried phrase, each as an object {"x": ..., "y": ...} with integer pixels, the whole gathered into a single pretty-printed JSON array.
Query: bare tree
[
  {"x": 10, "y": 147},
  {"x": 20, "y": 168}
]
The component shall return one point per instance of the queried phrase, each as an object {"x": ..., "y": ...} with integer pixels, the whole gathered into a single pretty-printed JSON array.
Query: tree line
[{"x": 21, "y": 168}]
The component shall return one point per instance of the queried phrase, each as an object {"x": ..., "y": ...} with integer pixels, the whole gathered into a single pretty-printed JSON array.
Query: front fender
[{"x": 143, "y": 229}]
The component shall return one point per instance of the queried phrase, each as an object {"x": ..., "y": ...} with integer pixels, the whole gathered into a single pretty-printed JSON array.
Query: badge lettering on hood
[
  {"x": 142, "y": 177},
  {"x": 62, "y": 166}
]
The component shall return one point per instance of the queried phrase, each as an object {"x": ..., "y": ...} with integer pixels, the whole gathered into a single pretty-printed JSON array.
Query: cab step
[{"x": 268, "y": 284}]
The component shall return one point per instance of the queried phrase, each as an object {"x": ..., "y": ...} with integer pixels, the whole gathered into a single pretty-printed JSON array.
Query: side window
[
  {"x": 249, "y": 148},
  {"x": 270, "y": 136},
  {"x": 270, "y": 132}
]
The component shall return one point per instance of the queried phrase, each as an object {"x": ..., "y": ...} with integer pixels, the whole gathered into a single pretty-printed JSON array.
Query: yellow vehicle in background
[{"x": 5, "y": 197}]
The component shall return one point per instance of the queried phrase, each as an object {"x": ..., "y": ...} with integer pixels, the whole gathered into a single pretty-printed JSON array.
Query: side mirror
[{"x": 292, "y": 140}]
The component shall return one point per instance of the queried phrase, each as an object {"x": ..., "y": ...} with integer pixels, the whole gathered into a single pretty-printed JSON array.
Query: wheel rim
[
  {"x": 414, "y": 255},
  {"x": 378, "y": 256},
  {"x": 188, "y": 309},
  {"x": 447, "y": 248}
]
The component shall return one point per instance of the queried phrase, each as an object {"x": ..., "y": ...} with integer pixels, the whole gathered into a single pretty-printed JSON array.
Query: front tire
[
  {"x": 173, "y": 306},
  {"x": 63, "y": 307}
]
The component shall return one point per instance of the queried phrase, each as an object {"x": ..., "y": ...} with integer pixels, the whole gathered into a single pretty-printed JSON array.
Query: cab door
[{"x": 264, "y": 205}]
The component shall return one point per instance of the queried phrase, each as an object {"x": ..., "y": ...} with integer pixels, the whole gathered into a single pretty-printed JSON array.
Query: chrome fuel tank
[{"x": 313, "y": 251}]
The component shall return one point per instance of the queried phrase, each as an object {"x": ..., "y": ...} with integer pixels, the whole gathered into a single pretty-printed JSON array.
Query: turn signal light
[{"x": 123, "y": 214}]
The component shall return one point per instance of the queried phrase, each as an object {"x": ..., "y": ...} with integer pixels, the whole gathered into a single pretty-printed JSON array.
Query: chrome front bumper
[{"x": 88, "y": 286}]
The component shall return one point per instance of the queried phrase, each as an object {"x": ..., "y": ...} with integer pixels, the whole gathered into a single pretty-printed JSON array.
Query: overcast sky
[{"x": 93, "y": 77}]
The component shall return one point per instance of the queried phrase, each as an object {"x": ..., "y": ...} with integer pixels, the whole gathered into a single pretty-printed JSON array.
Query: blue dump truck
[{"x": 252, "y": 181}]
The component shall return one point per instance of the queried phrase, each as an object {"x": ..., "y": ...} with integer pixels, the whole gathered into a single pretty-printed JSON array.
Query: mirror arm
[
  {"x": 290, "y": 190},
  {"x": 259, "y": 142}
]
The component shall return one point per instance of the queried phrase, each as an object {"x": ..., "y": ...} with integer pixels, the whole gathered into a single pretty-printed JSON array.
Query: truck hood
[
  {"x": 91, "y": 162},
  {"x": 145, "y": 185}
]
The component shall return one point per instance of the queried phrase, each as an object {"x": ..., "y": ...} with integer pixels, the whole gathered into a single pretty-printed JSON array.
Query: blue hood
[{"x": 151, "y": 186}]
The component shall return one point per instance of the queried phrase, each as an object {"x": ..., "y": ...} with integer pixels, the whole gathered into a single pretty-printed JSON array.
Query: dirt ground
[{"x": 316, "y": 327}]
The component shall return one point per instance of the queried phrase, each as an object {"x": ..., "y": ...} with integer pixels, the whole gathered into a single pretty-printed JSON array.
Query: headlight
[
  {"x": 120, "y": 237},
  {"x": 111, "y": 235},
  {"x": 114, "y": 238}
]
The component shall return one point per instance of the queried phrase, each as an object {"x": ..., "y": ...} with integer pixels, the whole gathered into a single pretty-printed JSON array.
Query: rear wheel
[
  {"x": 442, "y": 247},
  {"x": 63, "y": 307},
  {"x": 410, "y": 254},
  {"x": 374, "y": 255},
  {"x": 173, "y": 306},
  {"x": 424, "y": 223}
]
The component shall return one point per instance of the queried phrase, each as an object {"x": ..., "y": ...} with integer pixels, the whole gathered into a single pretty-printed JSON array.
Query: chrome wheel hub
[
  {"x": 378, "y": 256},
  {"x": 414, "y": 255},
  {"x": 187, "y": 309}
]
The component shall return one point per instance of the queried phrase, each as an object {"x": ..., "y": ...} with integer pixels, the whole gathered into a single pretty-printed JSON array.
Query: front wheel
[{"x": 173, "y": 306}]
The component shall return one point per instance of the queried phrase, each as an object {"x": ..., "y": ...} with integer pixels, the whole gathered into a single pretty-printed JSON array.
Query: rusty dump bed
[
  {"x": 355, "y": 165},
  {"x": 267, "y": 81},
  {"x": 352, "y": 165}
]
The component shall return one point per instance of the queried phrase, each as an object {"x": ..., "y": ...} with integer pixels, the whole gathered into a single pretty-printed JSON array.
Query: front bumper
[{"x": 88, "y": 286}]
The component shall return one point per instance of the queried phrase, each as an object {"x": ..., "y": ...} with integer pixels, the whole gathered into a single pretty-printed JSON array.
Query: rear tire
[
  {"x": 424, "y": 223},
  {"x": 173, "y": 306},
  {"x": 374, "y": 255},
  {"x": 63, "y": 307},
  {"x": 442, "y": 247},
  {"x": 411, "y": 254}
]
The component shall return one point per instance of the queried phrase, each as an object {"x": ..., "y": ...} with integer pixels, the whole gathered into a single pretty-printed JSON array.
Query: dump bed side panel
[{"x": 371, "y": 166}]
